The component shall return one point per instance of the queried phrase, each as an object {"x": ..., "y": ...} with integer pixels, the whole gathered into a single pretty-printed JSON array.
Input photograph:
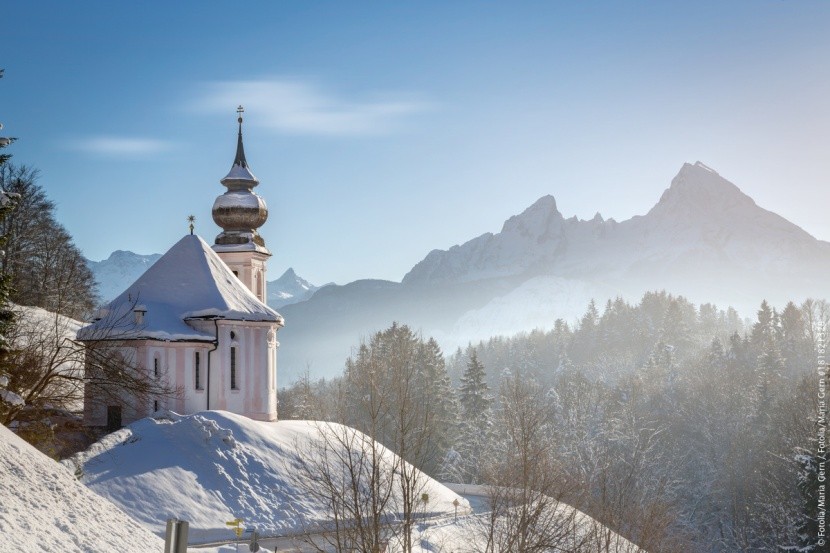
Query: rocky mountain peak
[
  {"x": 289, "y": 274},
  {"x": 536, "y": 220},
  {"x": 698, "y": 189},
  {"x": 289, "y": 288}
]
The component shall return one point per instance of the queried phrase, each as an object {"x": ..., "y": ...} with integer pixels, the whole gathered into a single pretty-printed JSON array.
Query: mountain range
[
  {"x": 704, "y": 239},
  {"x": 116, "y": 273}
]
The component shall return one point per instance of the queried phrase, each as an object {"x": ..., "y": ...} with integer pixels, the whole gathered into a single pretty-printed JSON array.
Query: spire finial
[
  {"x": 191, "y": 219},
  {"x": 240, "y": 151}
]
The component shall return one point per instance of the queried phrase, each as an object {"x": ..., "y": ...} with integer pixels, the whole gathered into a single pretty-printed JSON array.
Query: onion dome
[{"x": 239, "y": 211}]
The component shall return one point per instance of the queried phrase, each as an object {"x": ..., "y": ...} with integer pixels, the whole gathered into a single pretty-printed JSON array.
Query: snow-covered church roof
[{"x": 188, "y": 282}]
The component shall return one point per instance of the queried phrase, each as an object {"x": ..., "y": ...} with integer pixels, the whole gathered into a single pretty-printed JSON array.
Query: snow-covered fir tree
[{"x": 464, "y": 463}]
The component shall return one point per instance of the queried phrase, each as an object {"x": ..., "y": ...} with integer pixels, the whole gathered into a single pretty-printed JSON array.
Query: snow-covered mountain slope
[
  {"x": 527, "y": 241},
  {"x": 118, "y": 271},
  {"x": 289, "y": 288},
  {"x": 114, "y": 274},
  {"x": 536, "y": 303},
  {"x": 702, "y": 223},
  {"x": 44, "y": 508},
  {"x": 704, "y": 239},
  {"x": 213, "y": 467}
]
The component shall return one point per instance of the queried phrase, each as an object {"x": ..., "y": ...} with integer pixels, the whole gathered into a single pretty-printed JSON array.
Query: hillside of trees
[
  {"x": 683, "y": 428},
  {"x": 46, "y": 289}
]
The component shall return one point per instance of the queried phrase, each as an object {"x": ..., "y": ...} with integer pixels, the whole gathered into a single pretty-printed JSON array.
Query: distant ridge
[
  {"x": 704, "y": 239},
  {"x": 116, "y": 273}
]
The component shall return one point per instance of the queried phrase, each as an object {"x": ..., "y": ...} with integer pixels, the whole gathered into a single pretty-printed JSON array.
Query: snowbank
[
  {"x": 44, "y": 508},
  {"x": 214, "y": 466}
]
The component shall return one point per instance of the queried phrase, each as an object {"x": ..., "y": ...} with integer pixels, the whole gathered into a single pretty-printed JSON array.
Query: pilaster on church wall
[{"x": 256, "y": 397}]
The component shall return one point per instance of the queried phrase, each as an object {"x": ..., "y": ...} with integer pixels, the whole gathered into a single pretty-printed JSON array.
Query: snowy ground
[
  {"x": 44, "y": 508},
  {"x": 207, "y": 468},
  {"x": 213, "y": 467}
]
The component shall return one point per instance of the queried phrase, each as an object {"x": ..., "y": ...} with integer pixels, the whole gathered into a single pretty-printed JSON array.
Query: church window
[
  {"x": 155, "y": 406},
  {"x": 156, "y": 367},
  {"x": 233, "y": 369},
  {"x": 196, "y": 371}
]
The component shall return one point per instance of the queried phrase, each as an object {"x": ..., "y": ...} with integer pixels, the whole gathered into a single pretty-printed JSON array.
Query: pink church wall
[{"x": 256, "y": 359}]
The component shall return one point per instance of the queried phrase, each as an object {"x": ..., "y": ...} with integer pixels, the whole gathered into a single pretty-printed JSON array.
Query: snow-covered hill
[
  {"x": 213, "y": 467},
  {"x": 704, "y": 239},
  {"x": 43, "y": 507}
]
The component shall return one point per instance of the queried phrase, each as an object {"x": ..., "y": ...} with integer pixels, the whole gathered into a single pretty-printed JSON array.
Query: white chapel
[{"x": 198, "y": 319}]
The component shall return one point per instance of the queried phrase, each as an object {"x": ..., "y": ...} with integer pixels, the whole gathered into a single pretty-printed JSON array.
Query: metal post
[
  {"x": 170, "y": 536},
  {"x": 182, "y": 529}
]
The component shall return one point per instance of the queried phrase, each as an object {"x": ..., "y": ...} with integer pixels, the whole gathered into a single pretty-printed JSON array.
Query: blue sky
[{"x": 382, "y": 130}]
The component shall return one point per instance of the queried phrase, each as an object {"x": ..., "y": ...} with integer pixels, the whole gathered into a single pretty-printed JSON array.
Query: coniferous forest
[{"x": 683, "y": 427}]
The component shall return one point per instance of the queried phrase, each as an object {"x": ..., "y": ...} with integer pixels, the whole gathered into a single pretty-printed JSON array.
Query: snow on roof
[
  {"x": 215, "y": 466},
  {"x": 44, "y": 508},
  {"x": 240, "y": 172},
  {"x": 238, "y": 198},
  {"x": 188, "y": 282}
]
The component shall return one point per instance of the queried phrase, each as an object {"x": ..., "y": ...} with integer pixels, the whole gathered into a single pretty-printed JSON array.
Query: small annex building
[{"x": 197, "y": 319}]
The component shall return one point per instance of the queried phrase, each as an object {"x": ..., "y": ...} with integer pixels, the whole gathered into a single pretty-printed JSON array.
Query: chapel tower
[{"x": 240, "y": 212}]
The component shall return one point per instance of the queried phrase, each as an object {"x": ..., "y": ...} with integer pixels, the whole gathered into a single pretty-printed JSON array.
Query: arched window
[
  {"x": 197, "y": 376},
  {"x": 156, "y": 369},
  {"x": 233, "y": 369}
]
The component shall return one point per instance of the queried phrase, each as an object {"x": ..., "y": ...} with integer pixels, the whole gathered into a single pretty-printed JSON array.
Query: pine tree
[
  {"x": 474, "y": 395},
  {"x": 437, "y": 392},
  {"x": 762, "y": 330},
  {"x": 808, "y": 487},
  {"x": 464, "y": 463},
  {"x": 795, "y": 346},
  {"x": 716, "y": 358},
  {"x": 769, "y": 364}
]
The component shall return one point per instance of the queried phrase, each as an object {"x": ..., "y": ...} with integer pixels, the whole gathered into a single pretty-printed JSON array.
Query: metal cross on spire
[{"x": 240, "y": 150}]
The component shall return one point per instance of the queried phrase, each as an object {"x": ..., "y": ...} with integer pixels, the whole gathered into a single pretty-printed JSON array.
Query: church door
[{"x": 113, "y": 418}]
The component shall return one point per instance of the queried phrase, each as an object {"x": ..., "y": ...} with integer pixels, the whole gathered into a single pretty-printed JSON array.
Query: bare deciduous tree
[
  {"x": 352, "y": 476},
  {"x": 44, "y": 266},
  {"x": 526, "y": 485},
  {"x": 52, "y": 371},
  {"x": 385, "y": 395}
]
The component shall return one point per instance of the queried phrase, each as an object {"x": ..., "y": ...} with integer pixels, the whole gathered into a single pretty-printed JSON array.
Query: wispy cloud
[
  {"x": 120, "y": 146},
  {"x": 296, "y": 106}
]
